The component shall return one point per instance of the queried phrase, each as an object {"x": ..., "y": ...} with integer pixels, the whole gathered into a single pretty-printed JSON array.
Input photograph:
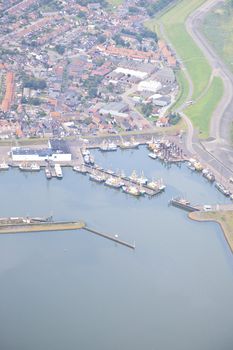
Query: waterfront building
[{"x": 57, "y": 151}]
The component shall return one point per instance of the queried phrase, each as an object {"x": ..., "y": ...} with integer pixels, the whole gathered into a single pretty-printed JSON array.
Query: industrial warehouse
[{"x": 57, "y": 151}]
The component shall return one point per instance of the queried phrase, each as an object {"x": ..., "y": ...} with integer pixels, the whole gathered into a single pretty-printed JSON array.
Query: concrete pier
[
  {"x": 40, "y": 227},
  {"x": 111, "y": 238}
]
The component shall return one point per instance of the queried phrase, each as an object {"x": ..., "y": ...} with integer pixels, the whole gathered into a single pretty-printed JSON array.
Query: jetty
[
  {"x": 112, "y": 238},
  {"x": 184, "y": 204},
  {"x": 15, "y": 225}
]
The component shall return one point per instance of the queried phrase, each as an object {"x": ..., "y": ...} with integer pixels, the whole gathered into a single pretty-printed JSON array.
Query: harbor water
[{"x": 74, "y": 290}]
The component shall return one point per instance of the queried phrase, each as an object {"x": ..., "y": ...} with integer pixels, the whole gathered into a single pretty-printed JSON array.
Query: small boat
[
  {"x": 110, "y": 172},
  {"x": 29, "y": 167},
  {"x": 142, "y": 180},
  {"x": 85, "y": 152},
  {"x": 80, "y": 169},
  {"x": 114, "y": 182},
  {"x": 129, "y": 144},
  {"x": 133, "y": 190},
  {"x": 4, "y": 166},
  {"x": 97, "y": 178},
  {"x": 58, "y": 171},
  {"x": 222, "y": 189},
  {"x": 108, "y": 146},
  {"x": 152, "y": 155},
  {"x": 48, "y": 173},
  {"x": 133, "y": 177}
]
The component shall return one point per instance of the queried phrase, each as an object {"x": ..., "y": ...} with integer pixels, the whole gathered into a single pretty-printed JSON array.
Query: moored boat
[
  {"x": 4, "y": 166},
  {"x": 48, "y": 173},
  {"x": 133, "y": 190},
  {"x": 108, "y": 146},
  {"x": 114, "y": 182},
  {"x": 152, "y": 155},
  {"x": 58, "y": 171},
  {"x": 97, "y": 178},
  {"x": 29, "y": 167},
  {"x": 80, "y": 169},
  {"x": 222, "y": 189}
]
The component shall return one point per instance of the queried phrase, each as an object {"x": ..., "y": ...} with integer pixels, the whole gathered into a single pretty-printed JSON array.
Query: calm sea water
[{"x": 74, "y": 290}]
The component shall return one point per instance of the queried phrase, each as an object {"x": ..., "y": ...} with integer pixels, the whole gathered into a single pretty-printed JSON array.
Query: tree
[
  {"x": 60, "y": 49},
  {"x": 147, "y": 109}
]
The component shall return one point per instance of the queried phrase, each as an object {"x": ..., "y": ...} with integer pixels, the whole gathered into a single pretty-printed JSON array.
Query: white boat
[
  {"x": 58, "y": 171},
  {"x": 108, "y": 146},
  {"x": 152, "y": 155},
  {"x": 133, "y": 190},
  {"x": 142, "y": 180},
  {"x": 222, "y": 189},
  {"x": 4, "y": 166},
  {"x": 48, "y": 173},
  {"x": 97, "y": 178},
  {"x": 85, "y": 152},
  {"x": 80, "y": 169},
  {"x": 88, "y": 159},
  {"x": 133, "y": 177},
  {"x": 129, "y": 144},
  {"x": 114, "y": 182},
  {"x": 29, "y": 167}
]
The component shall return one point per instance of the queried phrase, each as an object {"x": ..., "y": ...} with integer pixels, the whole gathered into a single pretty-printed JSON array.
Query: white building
[
  {"x": 149, "y": 85},
  {"x": 57, "y": 152}
]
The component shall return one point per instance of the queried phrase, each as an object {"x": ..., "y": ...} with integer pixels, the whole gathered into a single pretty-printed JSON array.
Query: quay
[{"x": 40, "y": 227}]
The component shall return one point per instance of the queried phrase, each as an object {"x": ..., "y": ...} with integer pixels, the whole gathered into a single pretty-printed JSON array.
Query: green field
[
  {"x": 183, "y": 89},
  {"x": 222, "y": 37},
  {"x": 173, "y": 22},
  {"x": 201, "y": 112},
  {"x": 192, "y": 57},
  {"x": 115, "y": 2}
]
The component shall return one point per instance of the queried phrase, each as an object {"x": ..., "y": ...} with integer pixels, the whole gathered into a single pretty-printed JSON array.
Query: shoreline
[{"x": 221, "y": 218}]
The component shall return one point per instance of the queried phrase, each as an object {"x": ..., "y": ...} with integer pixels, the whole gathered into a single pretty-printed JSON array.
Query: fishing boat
[
  {"x": 88, "y": 159},
  {"x": 133, "y": 190},
  {"x": 58, "y": 171},
  {"x": 80, "y": 169},
  {"x": 4, "y": 166},
  {"x": 48, "y": 173},
  {"x": 29, "y": 167},
  {"x": 85, "y": 152},
  {"x": 108, "y": 147},
  {"x": 97, "y": 178},
  {"x": 114, "y": 182},
  {"x": 153, "y": 185},
  {"x": 110, "y": 172},
  {"x": 142, "y": 180},
  {"x": 152, "y": 155},
  {"x": 129, "y": 144},
  {"x": 222, "y": 189},
  {"x": 133, "y": 177}
]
